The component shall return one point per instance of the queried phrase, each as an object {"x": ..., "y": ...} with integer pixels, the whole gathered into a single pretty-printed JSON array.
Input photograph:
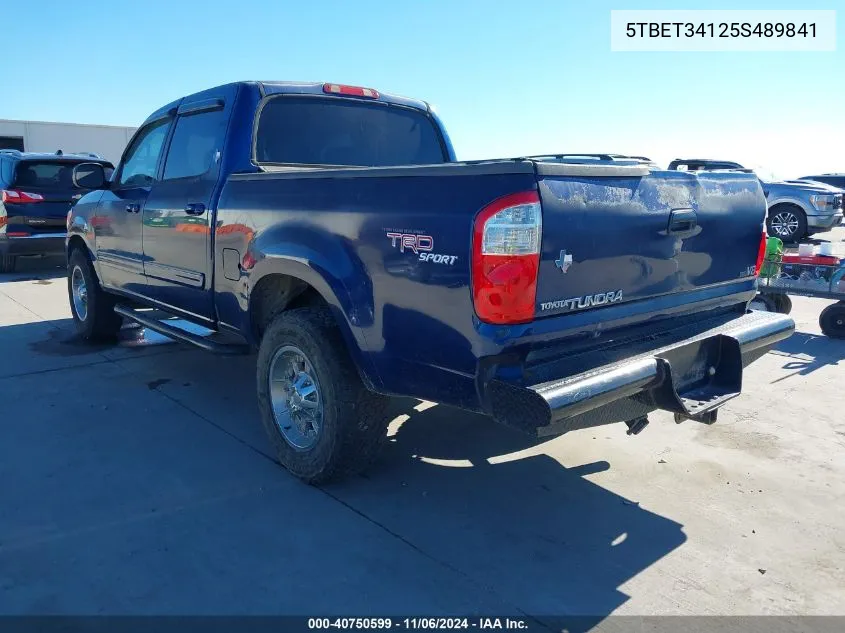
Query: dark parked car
[
  {"x": 36, "y": 192},
  {"x": 332, "y": 227},
  {"x": 837, "y": 180},
  {"x": 703, "y": 164},
  {"x": 595, "y": 159}
]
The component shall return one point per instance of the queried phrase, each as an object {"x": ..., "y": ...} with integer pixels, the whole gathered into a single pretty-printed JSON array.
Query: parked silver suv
[{"x": 798, "y": 208}]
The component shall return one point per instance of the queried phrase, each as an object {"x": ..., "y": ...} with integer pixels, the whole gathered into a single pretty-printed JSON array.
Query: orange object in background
[{"x": 191, "y": 228}]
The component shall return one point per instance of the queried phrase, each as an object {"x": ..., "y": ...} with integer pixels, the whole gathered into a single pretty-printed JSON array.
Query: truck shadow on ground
[
  {"x": 806, "y": 353},
  {"x": 36, "y": 269},
  {"x": 483, "y": 501},
  {"x": 493, "y": 504}
]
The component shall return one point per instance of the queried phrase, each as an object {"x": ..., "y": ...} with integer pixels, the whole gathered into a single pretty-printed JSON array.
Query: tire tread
[
  {"x": 7, "y": 263},
  {"x": 102, "y": 322},
  {"x": 360, "y": 425}
]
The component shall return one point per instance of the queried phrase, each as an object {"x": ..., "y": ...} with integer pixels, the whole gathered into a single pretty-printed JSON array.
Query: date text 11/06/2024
[
  {"x": 430, "y": 624},
  {"x": 720, "y": 29}
]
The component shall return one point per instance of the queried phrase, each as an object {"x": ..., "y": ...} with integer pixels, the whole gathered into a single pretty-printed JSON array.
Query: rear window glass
[
  {"x": 49, "y": 174},
  {"x": 313, "y": 131}
]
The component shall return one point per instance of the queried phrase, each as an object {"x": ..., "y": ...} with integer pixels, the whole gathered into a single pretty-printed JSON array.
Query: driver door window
[{"x": 141, "y": 161}]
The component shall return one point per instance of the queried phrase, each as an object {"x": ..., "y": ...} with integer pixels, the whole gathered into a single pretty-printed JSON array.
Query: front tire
[
  {"x": 788, "y": 222},
  {"x": 323, "y": 422},
  {"x": 92, "y": 308}
]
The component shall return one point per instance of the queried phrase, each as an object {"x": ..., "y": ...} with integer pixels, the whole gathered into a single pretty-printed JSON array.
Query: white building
[{"x": 108, "y": 141}]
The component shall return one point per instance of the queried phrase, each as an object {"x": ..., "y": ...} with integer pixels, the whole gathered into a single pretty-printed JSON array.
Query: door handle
[
  {"x": 195, "y": 208},
  {"x": 682, "y": 221},
  {"x": 133, "y": 208}
]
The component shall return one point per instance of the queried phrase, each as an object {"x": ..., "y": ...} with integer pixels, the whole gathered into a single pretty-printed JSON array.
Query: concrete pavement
[{"x": 137, "y": 479}]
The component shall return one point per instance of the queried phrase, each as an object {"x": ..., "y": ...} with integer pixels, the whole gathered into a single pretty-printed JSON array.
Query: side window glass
[
  {"x": 139, "y": 165},
  {"x": 196, "y": 144}
]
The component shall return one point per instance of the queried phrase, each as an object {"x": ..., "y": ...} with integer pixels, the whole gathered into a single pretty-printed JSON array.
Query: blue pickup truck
[{"x": 332, "y": 228}]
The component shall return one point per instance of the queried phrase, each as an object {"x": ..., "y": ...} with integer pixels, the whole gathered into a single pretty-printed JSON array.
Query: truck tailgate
[{"x": 610, "y": 239}]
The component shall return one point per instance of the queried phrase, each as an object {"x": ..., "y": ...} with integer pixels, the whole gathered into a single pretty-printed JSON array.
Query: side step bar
[{"x": 179, "y": 334}]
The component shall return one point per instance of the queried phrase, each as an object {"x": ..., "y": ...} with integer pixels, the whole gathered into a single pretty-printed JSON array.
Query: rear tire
[
  {"x": 302, "y": 360},
  {"x": 787, "y": 222},
  {"x": 7, "y": 263},
  {"x": 832, "y": 320},
  {"x": 764, "y": 303},
  {"x": 92, "y": 307},
  {"x": 783, "y": 304}
]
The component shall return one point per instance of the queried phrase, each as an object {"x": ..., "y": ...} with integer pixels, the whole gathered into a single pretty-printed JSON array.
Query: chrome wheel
[
  {"x": 79, "y": 292},
  {"x": 295, "y": 397},
  {"x": 784, "y": 224}
]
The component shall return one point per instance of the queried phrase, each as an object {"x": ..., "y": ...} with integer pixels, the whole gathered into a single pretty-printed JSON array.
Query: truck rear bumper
[{"x": 692, "y": 377}]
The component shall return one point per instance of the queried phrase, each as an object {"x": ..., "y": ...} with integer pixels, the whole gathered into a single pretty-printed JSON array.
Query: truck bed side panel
[
  {"x": 394, "y": 251},
  {"x": 389, "y": 250}
]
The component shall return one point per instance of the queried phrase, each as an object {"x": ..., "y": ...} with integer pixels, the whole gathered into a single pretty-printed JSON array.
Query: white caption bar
[{"x": 706, "y": 31}]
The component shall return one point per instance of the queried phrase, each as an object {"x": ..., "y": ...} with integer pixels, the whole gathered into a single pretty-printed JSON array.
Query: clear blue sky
[{"x": 508, "y": 77}]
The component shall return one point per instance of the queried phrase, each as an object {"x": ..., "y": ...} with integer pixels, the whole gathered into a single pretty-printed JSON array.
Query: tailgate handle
[{"x": 682, "y": 221}]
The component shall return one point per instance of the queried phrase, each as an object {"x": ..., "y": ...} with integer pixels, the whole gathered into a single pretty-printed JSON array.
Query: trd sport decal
[
  {"x": 411, "y": 242},
  {"x": 419, "y": 244}
]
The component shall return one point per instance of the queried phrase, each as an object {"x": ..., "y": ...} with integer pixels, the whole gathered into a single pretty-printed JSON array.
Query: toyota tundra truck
[{"x": 331, "y": 228}]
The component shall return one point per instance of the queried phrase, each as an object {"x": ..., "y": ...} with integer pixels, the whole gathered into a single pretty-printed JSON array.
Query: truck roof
[{"x": 293, "y": 87}]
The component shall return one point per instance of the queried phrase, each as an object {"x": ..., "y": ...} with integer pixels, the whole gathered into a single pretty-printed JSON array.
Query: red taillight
[
  {"x": 351, "y": 91},
  {"x": 761, "y": 254},
  {"x": 506, "y": 258},
  {"x": 14, "y": 196}
]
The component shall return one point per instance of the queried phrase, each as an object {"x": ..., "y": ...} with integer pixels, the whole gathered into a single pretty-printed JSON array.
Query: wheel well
[
  {"x": 782, "y": 205},
  {"x": 77, "y": 242},
  {"x": 274, "y": 294}
]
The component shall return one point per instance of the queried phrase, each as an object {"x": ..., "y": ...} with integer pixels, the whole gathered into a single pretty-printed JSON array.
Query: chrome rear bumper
[{"x": 692, "y": 378}]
